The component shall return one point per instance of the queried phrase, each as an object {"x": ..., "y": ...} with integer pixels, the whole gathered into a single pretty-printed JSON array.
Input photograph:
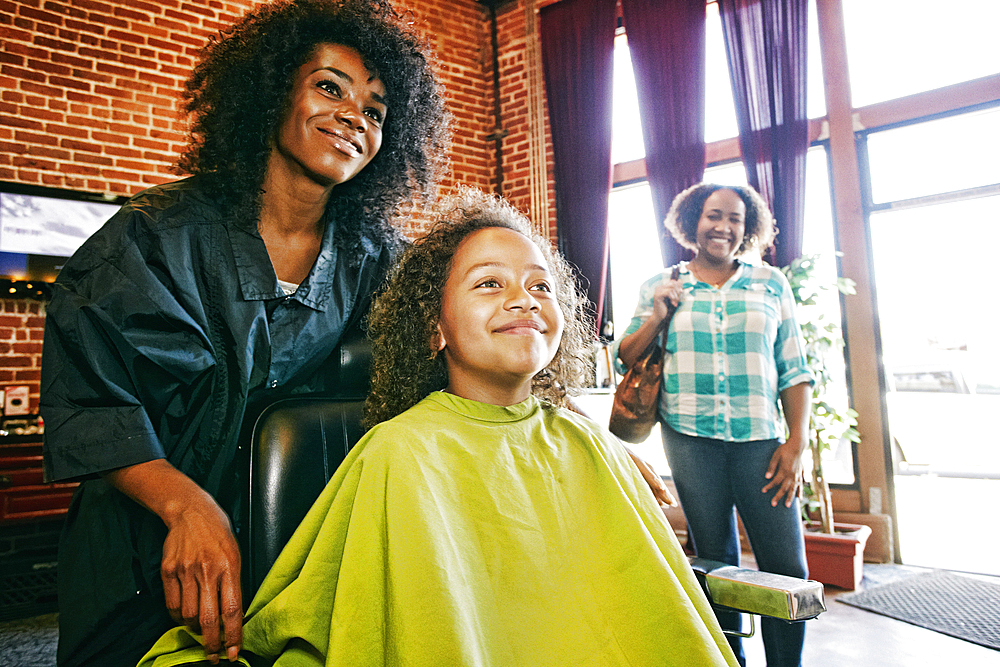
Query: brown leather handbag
[{"x": 637, "y": 396}]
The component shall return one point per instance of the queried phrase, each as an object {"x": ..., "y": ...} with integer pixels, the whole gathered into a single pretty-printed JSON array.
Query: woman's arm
[
  {"x": 201, "y": 560},
  {"x": 785, "y": 470},
  {"x": 666, "y": 294}
]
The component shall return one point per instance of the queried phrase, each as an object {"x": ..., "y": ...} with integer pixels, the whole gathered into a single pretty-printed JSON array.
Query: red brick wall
[
  {"x": 458, "y": 31},
  {"x": 21, "y": 323},
  {"x": 89, "y": 93},
  {"x": 514, "y": 88},
  {"x": 89, "y": 89}
]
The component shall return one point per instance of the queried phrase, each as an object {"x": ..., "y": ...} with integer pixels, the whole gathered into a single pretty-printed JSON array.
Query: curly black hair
[
  {"x": 685, "y": 211},
  {"x": 403, "y": 319},
  {"x": 238, "y": 94}
]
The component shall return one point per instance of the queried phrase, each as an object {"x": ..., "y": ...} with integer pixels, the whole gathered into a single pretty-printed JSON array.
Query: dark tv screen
[{"x": 41, "y": 227}]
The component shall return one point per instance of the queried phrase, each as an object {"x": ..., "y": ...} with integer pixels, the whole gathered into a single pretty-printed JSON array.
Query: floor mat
[
  {"x": 959, "y": 606},
  {"x": 29, "y": 642}
]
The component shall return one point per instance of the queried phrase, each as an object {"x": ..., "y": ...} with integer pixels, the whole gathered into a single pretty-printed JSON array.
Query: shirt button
[{"x": 274, "y": 383}]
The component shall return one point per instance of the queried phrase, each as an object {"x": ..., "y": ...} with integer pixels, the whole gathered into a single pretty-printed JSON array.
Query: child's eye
[
  {"x": 542, "y": 287},
  {"x": 375, "y": 115},
  {"x": 489, "y": 282}
]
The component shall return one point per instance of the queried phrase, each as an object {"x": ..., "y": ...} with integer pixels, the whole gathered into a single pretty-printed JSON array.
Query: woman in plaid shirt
[{"x": 734, "y": 351}]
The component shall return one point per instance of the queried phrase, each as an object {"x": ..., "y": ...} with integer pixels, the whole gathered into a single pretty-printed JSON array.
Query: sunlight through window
[{"x": 896, "y": 49}]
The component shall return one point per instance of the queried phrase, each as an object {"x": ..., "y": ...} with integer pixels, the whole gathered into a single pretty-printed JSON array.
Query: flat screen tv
[{"x": 40, "y": 227}]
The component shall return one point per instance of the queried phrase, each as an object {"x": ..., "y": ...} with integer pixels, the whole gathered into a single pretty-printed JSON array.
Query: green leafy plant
[{"x": 828, "y": 423}]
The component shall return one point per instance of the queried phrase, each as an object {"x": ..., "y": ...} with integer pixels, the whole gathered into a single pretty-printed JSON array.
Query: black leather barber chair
[{"x": 295, "y": 445}]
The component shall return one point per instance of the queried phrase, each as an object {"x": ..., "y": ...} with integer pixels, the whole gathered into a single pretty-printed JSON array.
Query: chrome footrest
[{"x": 753, "y": 592}]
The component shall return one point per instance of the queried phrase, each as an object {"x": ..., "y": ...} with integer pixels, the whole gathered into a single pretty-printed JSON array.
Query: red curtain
[
  {"x": 766, "y": 46},
  {"x": 577, "y": 40},
  {"x": 668, "y": 57}
]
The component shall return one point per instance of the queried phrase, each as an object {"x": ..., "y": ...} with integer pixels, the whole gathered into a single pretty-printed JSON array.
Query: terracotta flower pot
[{"x": 836, "y": 559}]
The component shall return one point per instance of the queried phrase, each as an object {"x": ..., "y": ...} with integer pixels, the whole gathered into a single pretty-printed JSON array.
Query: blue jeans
[{"x": 716, "y": 479}]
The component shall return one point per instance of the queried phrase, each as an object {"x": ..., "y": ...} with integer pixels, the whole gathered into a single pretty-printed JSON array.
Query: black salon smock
[{"x": 166, "y": 327}]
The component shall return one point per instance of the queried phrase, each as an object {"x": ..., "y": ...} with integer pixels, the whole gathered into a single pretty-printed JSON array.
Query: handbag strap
[
  {"x": 671, "y": 309},
  {"x": 661, "y": 335}
]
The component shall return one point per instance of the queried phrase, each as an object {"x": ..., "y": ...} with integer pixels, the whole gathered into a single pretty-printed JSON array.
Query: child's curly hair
[
  {"x": 685, "y": 211},
  {"x": 403, "y": 319},
  {"x": 238, "y": 94}
]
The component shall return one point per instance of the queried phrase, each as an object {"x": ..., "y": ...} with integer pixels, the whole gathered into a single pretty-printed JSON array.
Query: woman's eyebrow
[
  {"x": 342, "y": 75},
  {"x": 346, "y": 77},
  {"x": 719, "y": 211}
]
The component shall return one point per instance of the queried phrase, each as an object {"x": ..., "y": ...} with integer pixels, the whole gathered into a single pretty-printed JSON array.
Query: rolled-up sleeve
[
  {"x": 115, "y": 339},
  {"x": 93, "y": 418},
  {"x": 789, "y": 348}
]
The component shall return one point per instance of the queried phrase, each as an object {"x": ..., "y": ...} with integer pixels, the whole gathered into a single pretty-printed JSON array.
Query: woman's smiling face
[
  {"x": 332, "y": 127},
  {"x": 721, "y": 226},
  {"x": 500, "y": 320}
]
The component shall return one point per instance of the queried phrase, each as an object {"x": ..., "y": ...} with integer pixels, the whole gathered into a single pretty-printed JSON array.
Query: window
[
  {"x": 938, "y": 329},
  {"x": 818, "y": 239},
  {"x": 944, "y": 155},
  {"x": 930, "y": 185},
  {"x": 901, "y": 48},
  {"x": 942, "y": 366},
  {"x": 720, "y": 110}
]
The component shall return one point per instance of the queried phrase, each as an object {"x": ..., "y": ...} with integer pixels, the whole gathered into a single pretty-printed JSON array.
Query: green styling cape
[{"x": 461, "y": 533}]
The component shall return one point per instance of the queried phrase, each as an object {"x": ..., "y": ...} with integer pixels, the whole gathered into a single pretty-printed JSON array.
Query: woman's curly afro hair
[
  {"x": 685, "y": 211},
  {"x": 237, "y": 95},
  {"x": 403, "y": 319}
]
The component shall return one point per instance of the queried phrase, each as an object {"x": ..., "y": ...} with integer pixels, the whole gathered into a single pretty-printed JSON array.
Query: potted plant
[{"x": 834, "y": 551}]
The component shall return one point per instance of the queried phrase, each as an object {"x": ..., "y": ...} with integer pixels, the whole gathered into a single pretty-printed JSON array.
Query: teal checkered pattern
[{"x": 732, "y": 352}]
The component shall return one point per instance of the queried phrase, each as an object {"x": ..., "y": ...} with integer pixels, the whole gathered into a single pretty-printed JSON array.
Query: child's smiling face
[{"x": 500, "y": 320}]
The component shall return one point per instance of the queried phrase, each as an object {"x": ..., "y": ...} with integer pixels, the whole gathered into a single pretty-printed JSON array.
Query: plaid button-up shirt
[{"x": 732, "y": 351}]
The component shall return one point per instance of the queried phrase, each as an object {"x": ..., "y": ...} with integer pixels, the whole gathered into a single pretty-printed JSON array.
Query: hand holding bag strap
[{"x": 637, "y": 396}]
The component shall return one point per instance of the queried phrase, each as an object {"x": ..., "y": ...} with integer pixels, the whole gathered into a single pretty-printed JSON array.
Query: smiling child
[{"x": 479, "y": 522}]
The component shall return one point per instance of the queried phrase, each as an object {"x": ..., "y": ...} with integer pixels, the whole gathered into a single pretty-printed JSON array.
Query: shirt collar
[
  {"x": 741, "y": 279},
  {"x": 743, "y": 275},
  {"x": 256, "y": 274}
]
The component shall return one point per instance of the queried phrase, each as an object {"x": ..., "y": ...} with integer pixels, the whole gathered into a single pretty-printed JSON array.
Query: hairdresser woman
[
  {"x": 735, "y": 351},
  {"x": 311, "y": 121}
]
